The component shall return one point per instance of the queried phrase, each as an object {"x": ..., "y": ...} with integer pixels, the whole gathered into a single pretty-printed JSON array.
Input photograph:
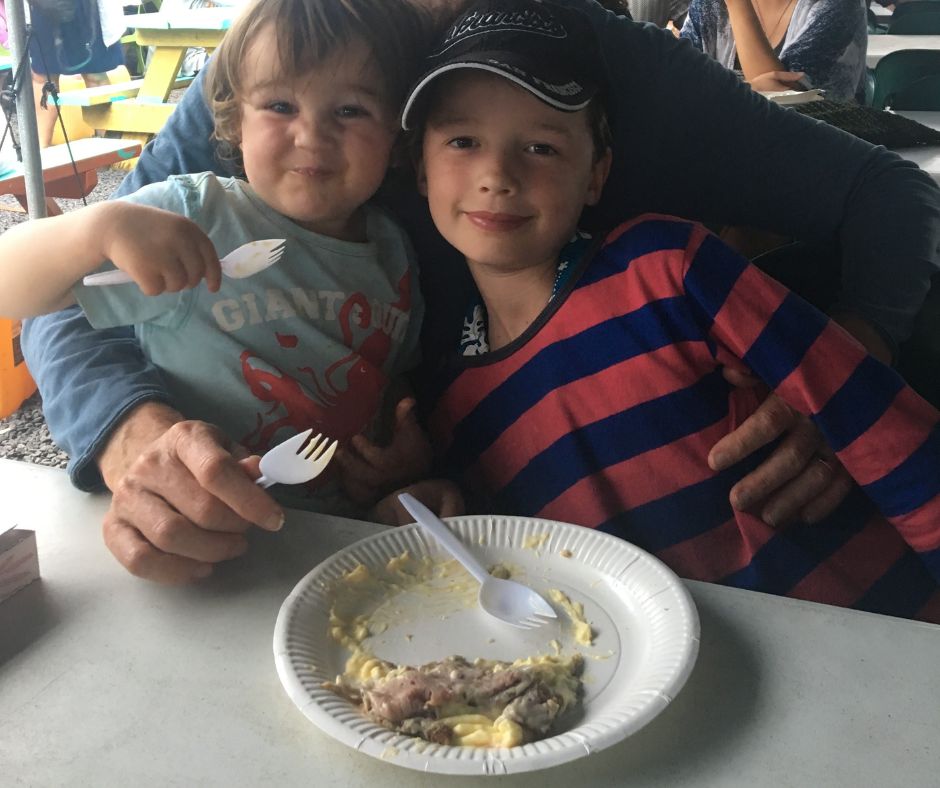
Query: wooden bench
[
  {"x": 102, "y": 94},
  {"x": 105, "y": 94},
  {"x": 58, "y": 174}
]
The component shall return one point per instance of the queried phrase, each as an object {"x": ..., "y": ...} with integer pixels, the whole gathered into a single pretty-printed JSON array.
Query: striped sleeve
[{"x": 886, "y": 435}]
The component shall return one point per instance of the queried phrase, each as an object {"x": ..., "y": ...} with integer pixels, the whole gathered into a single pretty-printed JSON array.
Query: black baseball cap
[{"x": 548, "y": 49}]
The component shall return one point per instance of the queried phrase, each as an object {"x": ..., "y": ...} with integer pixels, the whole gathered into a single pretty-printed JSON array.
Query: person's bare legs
[
  {"x": 93, "y": 81},
  {"x": 45, "y": 118}
]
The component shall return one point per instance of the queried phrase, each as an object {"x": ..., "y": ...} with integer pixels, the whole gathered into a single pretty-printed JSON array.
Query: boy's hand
[
  {"x": 440, "y": 496},
  {"x": 162, "y": 251},
  {"x": 370, "y": 471}
]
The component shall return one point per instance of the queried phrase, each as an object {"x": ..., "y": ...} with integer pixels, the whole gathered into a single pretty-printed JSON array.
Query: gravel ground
[{"x": 23, "y": 435}]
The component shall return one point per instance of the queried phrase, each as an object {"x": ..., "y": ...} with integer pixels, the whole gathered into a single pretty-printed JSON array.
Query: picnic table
[
  {"x": 58, "y": 173},
  {"x": 139, "y": 108}
]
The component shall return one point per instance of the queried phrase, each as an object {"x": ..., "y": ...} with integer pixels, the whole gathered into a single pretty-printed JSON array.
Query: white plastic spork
[
  {"x": 287, "y": 463},
  {"x": 507, "y": 600},
  {"x": 247, "y": 260}
]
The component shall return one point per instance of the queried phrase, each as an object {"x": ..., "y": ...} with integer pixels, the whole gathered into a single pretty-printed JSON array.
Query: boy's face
[
  {"x": 315, "y": 147},
  {"x": 506, "y": 176}
]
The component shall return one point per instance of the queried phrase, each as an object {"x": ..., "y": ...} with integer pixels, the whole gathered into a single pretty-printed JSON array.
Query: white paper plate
[{"x": 646, "y": 624}]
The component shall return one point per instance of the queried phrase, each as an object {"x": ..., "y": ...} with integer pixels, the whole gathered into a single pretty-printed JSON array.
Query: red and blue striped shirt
[{"x": 604, "y": 411}]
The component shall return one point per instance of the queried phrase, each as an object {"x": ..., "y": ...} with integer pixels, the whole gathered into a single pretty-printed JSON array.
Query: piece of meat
[
  {"x": 412, "y": 700},
  {"x": 535, "y": 711},
  {"x": 412, "y": 694}
]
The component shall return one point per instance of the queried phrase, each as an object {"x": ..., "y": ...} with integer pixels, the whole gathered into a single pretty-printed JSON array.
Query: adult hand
[
  {"x": 182, "y": 500},
  {"x": 801, "y": 479},
  {"x": 777, "y": 80},
  {"x": 441, "y": 496}
]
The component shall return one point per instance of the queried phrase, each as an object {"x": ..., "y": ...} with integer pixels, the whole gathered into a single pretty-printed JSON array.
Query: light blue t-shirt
[{"x": 311, "y": 341}]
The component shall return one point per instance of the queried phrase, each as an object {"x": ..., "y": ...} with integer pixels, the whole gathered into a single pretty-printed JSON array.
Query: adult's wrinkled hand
[
  {"x": 182, "y": 499},
  {"x": 802, "y": 479}
]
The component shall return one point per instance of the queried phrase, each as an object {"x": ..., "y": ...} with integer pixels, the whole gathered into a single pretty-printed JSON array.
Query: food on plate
[
  {"x": 583, "y": 633},
  {"x": 452, "y": 701},
  {"x": 484, "y": 703}
]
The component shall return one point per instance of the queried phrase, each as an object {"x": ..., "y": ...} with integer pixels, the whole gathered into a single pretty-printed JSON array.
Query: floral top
[{"x": 826, "y": 38}]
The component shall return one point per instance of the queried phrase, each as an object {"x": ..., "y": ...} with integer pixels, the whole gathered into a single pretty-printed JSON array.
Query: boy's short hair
[
  {"x": 307, "y": 33},
  {"x": 547, "y": 49}
]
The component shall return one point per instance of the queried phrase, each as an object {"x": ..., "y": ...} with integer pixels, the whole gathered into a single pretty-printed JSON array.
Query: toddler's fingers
[
  {"x": 175, "y": 274},
  {"x": 212, "y": 268},
  {"x": 372, "y": 455},
  {"x": 351, "y": 462},
  {"x": 195, "y": 265}
]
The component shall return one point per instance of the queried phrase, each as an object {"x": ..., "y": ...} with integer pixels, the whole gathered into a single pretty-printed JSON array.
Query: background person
[
  {"x": 587, "y": 387},
  {"x": 775, "y": 44},
  {"x": 72, "y": 37}
]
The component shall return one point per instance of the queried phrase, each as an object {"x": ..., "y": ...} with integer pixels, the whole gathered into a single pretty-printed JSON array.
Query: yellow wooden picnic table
[{"x": 141, "y": 111}]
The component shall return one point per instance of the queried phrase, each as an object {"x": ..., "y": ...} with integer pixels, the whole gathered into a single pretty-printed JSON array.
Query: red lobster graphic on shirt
[{"x": 347, "y": 397}]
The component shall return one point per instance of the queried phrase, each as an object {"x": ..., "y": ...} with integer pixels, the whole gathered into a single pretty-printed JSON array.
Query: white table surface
[
  {"x": 925, "y": 157},
  {"x": 107, "y": 680},
  {"x": 879, "y": 46},
  {"x": 927, "y": 117}
]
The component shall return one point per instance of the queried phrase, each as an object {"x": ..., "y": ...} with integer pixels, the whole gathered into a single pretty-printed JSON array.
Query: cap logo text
[{"x": 482, "y": 22}]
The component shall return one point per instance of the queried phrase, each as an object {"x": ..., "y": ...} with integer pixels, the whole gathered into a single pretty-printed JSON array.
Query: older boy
[{"x": 589, "y": 388}]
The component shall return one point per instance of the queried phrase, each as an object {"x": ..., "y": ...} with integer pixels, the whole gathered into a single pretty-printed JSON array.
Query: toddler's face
[
  {"x": 506, "y": 175},
  {"x": 316, "y": 146}
]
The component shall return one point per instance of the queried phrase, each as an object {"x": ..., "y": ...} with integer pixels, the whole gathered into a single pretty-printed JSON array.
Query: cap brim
[{"x": 484, "y": 62}]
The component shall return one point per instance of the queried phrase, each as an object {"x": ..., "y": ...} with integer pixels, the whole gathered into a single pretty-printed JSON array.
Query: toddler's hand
[
  {"x": 162, "y": 251},
  {"x": 370, "y": 471},
  {"x": 440, "y": 496}
]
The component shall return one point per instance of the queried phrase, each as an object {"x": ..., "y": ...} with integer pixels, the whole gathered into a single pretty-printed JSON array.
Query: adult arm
[
  {"x": 691, "y": 140},
  {"x": 90, "y": 380},
  {"x": 887, "y": 437},
  {"x": 182, "y": 499},
  {"x": 755, "y": 52}
]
